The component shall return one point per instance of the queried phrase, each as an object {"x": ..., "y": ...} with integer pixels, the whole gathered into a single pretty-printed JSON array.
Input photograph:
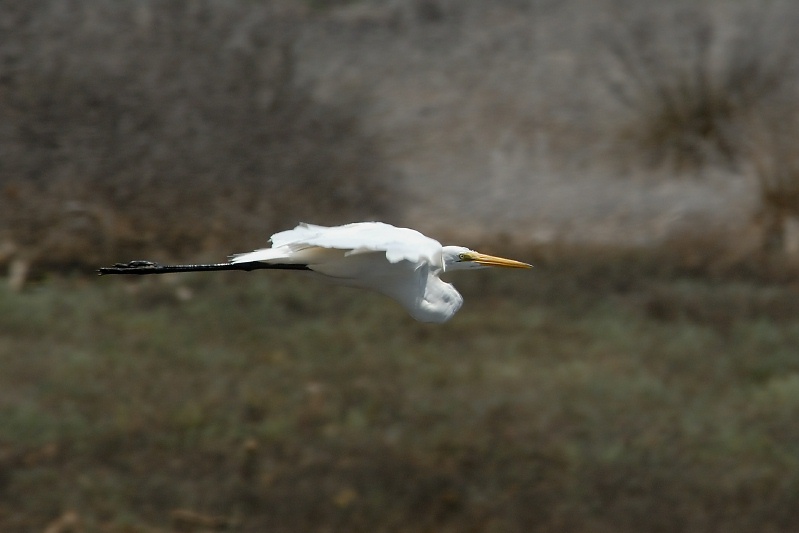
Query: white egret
[{"x": 401, "y": 263}]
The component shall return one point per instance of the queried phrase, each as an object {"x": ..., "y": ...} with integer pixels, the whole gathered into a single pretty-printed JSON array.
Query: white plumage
[
  {"x": 398, "y": 244},
  {"x": 401, "y": 263}
]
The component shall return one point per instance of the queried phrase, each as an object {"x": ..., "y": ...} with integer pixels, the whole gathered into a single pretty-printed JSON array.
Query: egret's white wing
[
  {"x": 433, "y": 301},
  {"x": 302, "y": 244},
  {"x": 416, "y": 287}
]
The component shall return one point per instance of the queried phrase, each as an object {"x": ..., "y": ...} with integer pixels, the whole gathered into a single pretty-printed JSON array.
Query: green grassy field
[{"x": 571, "y": 398}]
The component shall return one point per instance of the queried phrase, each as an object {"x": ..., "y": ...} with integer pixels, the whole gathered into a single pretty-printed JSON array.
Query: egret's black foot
[
  {"x": 129, "y": 268},
  {"x": 137, "y": 264}
]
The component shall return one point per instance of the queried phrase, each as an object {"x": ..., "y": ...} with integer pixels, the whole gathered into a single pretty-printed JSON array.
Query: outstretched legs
[{"x": 149, "y": 267}]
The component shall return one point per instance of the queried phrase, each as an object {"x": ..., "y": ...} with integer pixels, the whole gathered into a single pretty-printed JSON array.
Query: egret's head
[{"x": 460, "y": 258}]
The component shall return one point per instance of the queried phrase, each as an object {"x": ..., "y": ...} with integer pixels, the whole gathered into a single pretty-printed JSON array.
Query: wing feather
[{"x": 300, "y": 245}]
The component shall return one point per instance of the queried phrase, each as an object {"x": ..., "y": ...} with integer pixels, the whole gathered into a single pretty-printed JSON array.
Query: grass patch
[{"x": 255, "y": 402}]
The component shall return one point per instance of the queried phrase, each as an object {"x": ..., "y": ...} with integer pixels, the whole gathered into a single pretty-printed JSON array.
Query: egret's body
[{"x": 401, "y": 263}]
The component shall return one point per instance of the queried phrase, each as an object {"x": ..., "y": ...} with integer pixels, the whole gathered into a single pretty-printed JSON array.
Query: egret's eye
[{"x": 463, "y": 257}]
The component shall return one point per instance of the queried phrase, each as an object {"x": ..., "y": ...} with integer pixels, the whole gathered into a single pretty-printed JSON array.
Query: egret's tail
[{"x": 149, "y": 267}]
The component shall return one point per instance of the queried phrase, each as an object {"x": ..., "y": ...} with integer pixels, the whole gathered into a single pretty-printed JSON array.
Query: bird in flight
[{"x": 400, "y": 263}]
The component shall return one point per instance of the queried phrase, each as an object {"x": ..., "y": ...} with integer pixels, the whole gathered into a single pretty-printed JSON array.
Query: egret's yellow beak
[{"x": 490, "y": 260}]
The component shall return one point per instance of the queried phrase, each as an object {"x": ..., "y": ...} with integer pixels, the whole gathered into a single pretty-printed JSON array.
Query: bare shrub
[
  {"x": 770, "y": 149},
  {"x": 684, "y": 84},
  {"x": 180, "y": 125}
]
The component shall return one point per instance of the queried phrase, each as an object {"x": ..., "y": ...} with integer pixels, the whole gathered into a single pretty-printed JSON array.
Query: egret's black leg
[{"x": 149, "y": 267}]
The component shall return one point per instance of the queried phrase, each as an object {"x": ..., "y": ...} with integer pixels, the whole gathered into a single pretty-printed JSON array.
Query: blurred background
[{"x": 642, "y": 154}]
